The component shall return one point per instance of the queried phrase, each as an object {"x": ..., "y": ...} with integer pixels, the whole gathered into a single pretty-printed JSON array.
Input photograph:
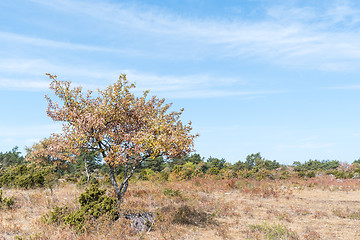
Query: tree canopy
[
  {"x": 10, "y": 158},
  {"x": 123, "y": 128}
]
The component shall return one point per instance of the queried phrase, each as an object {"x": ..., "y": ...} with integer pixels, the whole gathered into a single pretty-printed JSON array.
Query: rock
[{"x": 141, "y": 221}]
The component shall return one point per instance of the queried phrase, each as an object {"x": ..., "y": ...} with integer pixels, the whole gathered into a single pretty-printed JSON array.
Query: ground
[{"x": 319, "y": 208}]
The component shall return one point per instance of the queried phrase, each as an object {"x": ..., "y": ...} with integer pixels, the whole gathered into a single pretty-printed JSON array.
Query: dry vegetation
[{"x": 201, "y": 208}]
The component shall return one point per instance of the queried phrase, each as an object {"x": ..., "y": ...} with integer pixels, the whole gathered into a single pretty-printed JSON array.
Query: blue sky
[{"x": 276, "y": 77}]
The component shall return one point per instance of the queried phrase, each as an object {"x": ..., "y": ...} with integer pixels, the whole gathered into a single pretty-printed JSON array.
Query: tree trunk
[
  {"x": 120, "y": 191},
  {"x": 115, "y": 184}
]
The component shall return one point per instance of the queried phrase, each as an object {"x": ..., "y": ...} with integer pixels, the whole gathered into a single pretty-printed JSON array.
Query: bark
[
  {"x": 114, "y": 183},
  {"x": 120, "y": 191}
]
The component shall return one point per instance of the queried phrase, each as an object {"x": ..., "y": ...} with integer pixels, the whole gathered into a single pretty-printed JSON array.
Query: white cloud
[
  {"x": 41, "y": 42},
  {"x": 293, "y": 36},
  {"x": 347, "y": 87},
  {"x": 23, "y": 85},
  {"x": 170, "y": 86},
  {"x": 343, "y": 12}
]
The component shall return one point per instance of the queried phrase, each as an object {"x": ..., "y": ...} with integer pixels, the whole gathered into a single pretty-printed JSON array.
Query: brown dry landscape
[{"x": 201, "y": 208}]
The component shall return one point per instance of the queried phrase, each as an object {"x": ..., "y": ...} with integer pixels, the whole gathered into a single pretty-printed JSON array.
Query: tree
[
  {"x": 253, "y": 160},
  {"x": 11, "y": 158},
  {"x": 215, "y": 162},
  {"x": 87, "y": 162},
  {"x": 357, "y": 161},
  {"x": 156, "y": 164},
  {"x": 256, "y": 161},
  {"x": 194, "y": 158},
  {"x": 316, "y": 165},
  {"x": 122, "y": 128}
]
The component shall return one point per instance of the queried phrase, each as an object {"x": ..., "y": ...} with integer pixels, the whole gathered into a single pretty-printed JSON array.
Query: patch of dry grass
[{"x": 205, "y": 208}]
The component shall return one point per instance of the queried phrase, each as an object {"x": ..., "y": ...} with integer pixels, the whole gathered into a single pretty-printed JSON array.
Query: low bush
[
  {"x": 172, "y": 193},
  {"x": 56, "y": 215},
  {"x": 213, "y": 171},
  {"x": 311, "y": 174},
  {"x": 84, "y": 181},
  {"x": 274, "y": 231},
  {"x": 93, "y": 205},
  {"x": 6, "y": 202},
  {"x": 337, "y": 174},
  {"x": 26, "y": 176},
  {"x": 164, "y": 176},
  {"x": 146, "y": 174}
]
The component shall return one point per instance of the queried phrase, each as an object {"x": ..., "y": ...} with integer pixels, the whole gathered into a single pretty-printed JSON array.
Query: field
[{"x": 201, "y": 208}]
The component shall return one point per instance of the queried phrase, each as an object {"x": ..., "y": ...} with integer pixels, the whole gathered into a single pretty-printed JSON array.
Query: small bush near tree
[
  {"x": 94, "y": 203},
  {"x": 6, "y": 202}
]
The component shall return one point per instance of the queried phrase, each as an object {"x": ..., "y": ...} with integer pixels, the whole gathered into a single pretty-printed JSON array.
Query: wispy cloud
[
  {"x": 347, "y": 87},
  {"x": 23, "y": 85},
  {"x": 294, "y": 36},
  {"x": 169, "y": 86},
  {"x": 47, "y": 43}
]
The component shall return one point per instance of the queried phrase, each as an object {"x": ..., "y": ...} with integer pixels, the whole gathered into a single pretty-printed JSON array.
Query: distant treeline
[{"x": 15, "y": 171}]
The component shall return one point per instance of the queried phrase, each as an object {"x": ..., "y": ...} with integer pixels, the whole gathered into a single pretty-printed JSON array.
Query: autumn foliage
[{"x": 125, "y": 129}]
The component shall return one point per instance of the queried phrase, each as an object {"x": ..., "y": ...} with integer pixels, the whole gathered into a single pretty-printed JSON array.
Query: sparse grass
[
  {"x": 272, "y": 231},
  {"x": 200, "y": 208},
  {"x": 311, "y": 234},
  {"x": 347, "y": 213}
]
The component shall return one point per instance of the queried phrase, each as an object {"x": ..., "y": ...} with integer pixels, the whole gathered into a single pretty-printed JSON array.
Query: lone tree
[{"x": 123, "y": 128}]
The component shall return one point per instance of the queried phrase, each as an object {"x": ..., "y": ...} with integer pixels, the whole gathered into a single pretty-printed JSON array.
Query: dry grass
[{"x": 320, "y": 208}]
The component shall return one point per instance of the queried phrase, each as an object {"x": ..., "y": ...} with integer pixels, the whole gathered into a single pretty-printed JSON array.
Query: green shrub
[
  {"x": 337, "y": 174},
  {"x": 71, "y": 178},
  {"x": 214, "y": 171},
  {"x": 164, "y": 176},
  {"x": 340, "y": 174},
  {"x": 274, "y": 231},
  {"x": 177, "y": 169},
  {"x": 172, "y": 193},
  {"x": 93, "y": 204},
  {"x": 26, "y": 176},
  {"x": 285, "y": 174},
  {"x": 84, "y": 181},
  {"x": 188, "y": 170},
  {"x": 146, "y": 174},
  {"x": 262, "y": 174},
  {"x": 311, "y": 174},
  {"x": 316, "y": 165},
  {"x": 6, "y": 202},
  {"x": 76, "y": 220},
  {"x": 301, "y": 174},
  {"x": 56, "y": 215}
]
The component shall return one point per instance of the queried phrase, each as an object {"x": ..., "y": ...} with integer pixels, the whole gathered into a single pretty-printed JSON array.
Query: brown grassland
[{"x": 201, "y": 208}]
